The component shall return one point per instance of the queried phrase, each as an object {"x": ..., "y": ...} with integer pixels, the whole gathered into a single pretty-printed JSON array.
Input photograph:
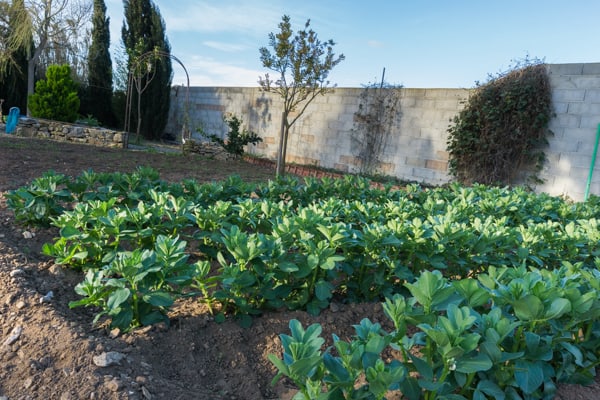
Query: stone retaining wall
[{"x": 65, "y": 132}]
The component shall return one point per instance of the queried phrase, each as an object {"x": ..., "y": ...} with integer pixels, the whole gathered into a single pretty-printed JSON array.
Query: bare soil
[{"x": 193, "y": 358}]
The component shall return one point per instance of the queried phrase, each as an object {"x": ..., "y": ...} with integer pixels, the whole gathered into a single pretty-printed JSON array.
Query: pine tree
[
  {"x": 100, "y": 86},
  {"x": 56, "y": 96},
  {"x": 143, "y": 32}
]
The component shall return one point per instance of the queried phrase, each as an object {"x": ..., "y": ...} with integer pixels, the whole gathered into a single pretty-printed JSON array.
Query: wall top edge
[{"x": 591, "y": 65}]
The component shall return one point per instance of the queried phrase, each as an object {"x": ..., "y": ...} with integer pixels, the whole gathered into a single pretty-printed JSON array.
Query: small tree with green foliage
[
  {"x": 236, "y": 140},
  {"x": 302, "y": 63},
  {"x": 56, "y": 96}
]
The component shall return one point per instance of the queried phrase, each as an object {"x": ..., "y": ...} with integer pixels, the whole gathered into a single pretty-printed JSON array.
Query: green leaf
[
  {"x": 153, "y": 317},
  {"x": 329, "y": 263},
  {"x": 336, "y": 368},
  {"x": 279, "y": 364},
  {"x": 529, "y": 376},
  {"x": 287, "y": 266},
  {"x": 122, "y": 319},
  {"x": 69, "y": 232},
  {"x": 424, "y": 369},
  {"x": 410, "y": 388},
  {"x": 376, "y": 344},
  {"x": 558, "y": 308},
  {"x": 491, "y": 389},
  {"x": 323, "y": 290},
  {"x": 245, "y": 320},
  {"x": 158, "y": 299},
  {"x": 117, "y": 297},
  {"x": 305, "y": 367},
  {"x": 480, "y": 362},
  {"x": 220, "y": 318},
  {"x": 528, "y": 308},
  {"x": 575, "y": 351}
]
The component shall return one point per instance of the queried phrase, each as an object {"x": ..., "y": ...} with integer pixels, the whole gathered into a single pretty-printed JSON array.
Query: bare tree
[
  {"x": 303, "y": 63},
  {"x": 54, "y": 28},
  {"x": 15, "y": 31}
]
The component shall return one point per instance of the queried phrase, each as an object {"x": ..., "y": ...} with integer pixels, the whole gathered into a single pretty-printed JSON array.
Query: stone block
[
  {"x": 430, "y": 176},
  {"x": 568, "y": 120},
  {"x": 341, "y": 167},
  {"x": 386, "y": 168},
  {"x": 592, "y": 95},
  {"x": 586, "y": 108},
  {"x": 579, "y": 173},
  {"x": 585, "y": 81},
  {"x": 589, "y": 121},
  {"x": 442, "y": 155},
  {"x": 436, "y": 165},
  {"x": 415, "y": 162},
  {"x": 349, "y": 160},
  {"x": 591, "y": 69},
  {"x": 568, "y": 95},
  {"x": 308, "y": 139},
  {"x": 565, "y": 69}
]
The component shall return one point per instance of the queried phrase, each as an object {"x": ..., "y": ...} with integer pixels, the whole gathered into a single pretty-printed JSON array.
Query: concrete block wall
[
  {"x": 416, "y": 150},
  {"x": 322, "y": 136},
  {"x": 576, "y": 101}
]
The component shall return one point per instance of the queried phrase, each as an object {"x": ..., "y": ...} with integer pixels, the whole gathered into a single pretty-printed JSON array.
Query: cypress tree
[
  {"x": 144, "y": 31},
  {"x": 100, "y": 86}
]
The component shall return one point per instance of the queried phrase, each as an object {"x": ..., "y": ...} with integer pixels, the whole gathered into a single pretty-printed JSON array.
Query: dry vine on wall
[{"x": 378, "y": 112}]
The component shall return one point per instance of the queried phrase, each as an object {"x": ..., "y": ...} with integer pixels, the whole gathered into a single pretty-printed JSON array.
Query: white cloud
[
  {"x": 203, "y": 16},
  {"x": 375, "y": 43},
  {"x": 226, "y": 47},
  {"x": 208, "y": 72}
]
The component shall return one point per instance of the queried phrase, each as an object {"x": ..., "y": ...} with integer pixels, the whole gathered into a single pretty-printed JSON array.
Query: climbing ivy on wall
[{"x": 503, "y": 127}]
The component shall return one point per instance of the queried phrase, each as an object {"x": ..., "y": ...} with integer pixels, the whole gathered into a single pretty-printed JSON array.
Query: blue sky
[{"x": 421, "y": 43}]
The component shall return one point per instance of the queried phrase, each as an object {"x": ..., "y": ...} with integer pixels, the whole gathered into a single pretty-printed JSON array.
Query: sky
[{"x": 420, "y": 43}]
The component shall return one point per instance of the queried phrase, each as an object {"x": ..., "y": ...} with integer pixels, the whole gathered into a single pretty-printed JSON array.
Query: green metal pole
[{"x": 589, "y": 181}]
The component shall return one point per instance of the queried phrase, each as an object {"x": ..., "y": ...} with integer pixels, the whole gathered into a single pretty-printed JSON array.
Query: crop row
[
  {"x": 243, "y": 248},
  {"x": 512, "y": 333}
]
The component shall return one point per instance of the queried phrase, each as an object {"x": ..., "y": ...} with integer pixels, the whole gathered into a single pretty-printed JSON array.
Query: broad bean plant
[{"x": 493, "y": 292}]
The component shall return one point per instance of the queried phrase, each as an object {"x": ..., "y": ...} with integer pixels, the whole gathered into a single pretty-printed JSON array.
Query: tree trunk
[
  {"x": 280, "y": 168},
  {"x": 30, "y": 81}
]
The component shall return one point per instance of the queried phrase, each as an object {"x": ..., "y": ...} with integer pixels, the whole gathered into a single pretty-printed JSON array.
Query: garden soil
[{"x": 48, "y": 351}]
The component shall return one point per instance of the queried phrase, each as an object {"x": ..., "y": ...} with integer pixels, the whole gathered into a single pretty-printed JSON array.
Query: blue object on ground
[{"x": 13, "y": 119}]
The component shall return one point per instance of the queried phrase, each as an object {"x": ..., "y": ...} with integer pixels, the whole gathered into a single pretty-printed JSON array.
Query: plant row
[
  {"x": 512, "y": 333},
  {"x": 519, "y": 316},
  {"x": 286, "y": 243}
]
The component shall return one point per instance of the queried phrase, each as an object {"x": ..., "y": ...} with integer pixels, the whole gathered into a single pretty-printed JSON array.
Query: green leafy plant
[
  {"x": 299, "y": 244},
  {"x": 88, "y": 120},
  {"x": 43, "y": 199},
  {"x": 236, "y": 139},
  {"x": 502, "y": 127},
  {"x": 56, "y": 96},
  {"x": 513, "y": 334},
  {"x": 138, "y": 287}
]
